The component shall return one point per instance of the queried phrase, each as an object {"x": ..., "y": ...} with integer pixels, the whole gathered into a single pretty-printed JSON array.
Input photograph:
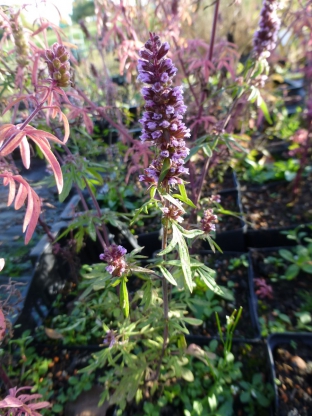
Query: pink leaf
[
  {"x": 20, "y": 197},
  {"x": 12, "y": 191},
  {"x": 34, "y": 218},
  {"x": 29, "y": 210},
  {"x": 66, "y": 127},
  {"x": 41, "y": 134},
  {"x": 52, "y": 160},
  {"x": 25, "y": 152},
  {"x": 8, "y": 147}
]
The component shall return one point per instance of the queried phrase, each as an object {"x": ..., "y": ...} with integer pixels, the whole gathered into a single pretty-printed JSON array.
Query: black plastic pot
[
  {"x": 270, "y": 236},
  {"x": 248, "y": 322},
  {"x": 284, "y": 285},
  {"x": 151, "y": 243},
  {"x": 275, "y": 341}
]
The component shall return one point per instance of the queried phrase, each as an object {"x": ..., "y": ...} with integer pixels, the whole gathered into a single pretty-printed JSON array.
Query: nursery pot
[
  {"x": 233, "y": 281},
  {"x": 286, "y": 404},
  {"x": 281, "y": 299}
]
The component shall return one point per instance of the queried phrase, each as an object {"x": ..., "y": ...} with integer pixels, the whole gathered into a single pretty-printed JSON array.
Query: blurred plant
[
  {"x": 19, "y": 405},
  {"x": 263, "y": 289}
]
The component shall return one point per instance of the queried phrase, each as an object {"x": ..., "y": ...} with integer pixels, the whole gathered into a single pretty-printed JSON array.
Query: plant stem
[{"x": 98, "y": 209}]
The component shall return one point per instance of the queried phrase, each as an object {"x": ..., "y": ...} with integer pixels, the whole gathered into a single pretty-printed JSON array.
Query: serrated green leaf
[{"x": 167, "y": 275}]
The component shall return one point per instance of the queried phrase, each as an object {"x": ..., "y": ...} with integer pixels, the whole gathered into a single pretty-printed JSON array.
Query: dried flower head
[
  {"x": 173, "y": 212},
  {"x": 164, "y": 109},
  {"x": 110, "y": 338},
  {"x": 20, "y": 41},
  {"x": 266, "y": 36},
  {"x": 57, "y": 59},
  {"x": 208, "y": 221},
  {"x": 114, "y": 257}
]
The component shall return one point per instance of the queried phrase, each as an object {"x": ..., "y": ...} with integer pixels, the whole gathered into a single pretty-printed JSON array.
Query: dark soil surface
[
  {"x": 217, "y": 181},
  {"x": 275, "y": 205},
  {"x": 288, "y": 296},
  {"x": 237, "y": 282},
  {"x": 293, "y": 366},
  {"x": 226, "y": 222}
]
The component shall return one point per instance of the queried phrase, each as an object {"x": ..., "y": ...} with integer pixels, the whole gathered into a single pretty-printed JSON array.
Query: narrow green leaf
[
  {"x": 185, "y": 259},
  {"x": 262, "y": 105},
  {"x": 167, "y": 275},
  {"x": 153, "y": 192},
  {"x": 210, "y": 282},
  {"x": 189, "y": 233},
  {"x": 124, "y": 299},
  {"x": 173, "y": 201},
  {"x": 92, "y": 231},
  {"x": 192, "y": 321},
  {"x": 207, "y": 150},
  {"x": 185, "y": 200}
]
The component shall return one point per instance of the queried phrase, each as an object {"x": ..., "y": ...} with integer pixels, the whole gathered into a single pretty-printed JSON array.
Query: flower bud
[{"x": 57, "y": 59}]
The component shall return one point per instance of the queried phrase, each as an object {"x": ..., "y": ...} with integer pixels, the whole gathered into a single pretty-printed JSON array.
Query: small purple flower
[
  {"x": 215, "y": 198},
  {"x": 164, "y": 109},
  {"x": 114, "y": 257}
]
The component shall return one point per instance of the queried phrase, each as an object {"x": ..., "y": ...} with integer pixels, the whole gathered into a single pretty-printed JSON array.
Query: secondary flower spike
[
  {"x": 266, "y": 36},
  {"x": 114, "y": 257},
  {"x": 162, "y": 119}
]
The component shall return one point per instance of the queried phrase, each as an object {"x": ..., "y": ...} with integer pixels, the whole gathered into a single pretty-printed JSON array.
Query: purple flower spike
[
  {"x": 164, "y": 109},
  {"x": 208, "y": 221},
  {"x": 266, "y": 36}
]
